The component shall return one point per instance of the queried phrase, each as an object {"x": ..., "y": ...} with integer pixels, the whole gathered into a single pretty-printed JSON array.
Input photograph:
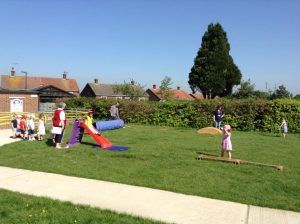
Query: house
[
  {"x": 19, "y": 100},
  {"x": 197, "y": 96},
  {"x": 176, "y": 94},
  {"x": 104, "y": 91},
  {"x": 44, "y": 90}
]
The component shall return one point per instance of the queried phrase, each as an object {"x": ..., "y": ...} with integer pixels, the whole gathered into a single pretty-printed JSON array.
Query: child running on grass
[
  {"x": 283, "y": 127},
  {"x": 226, "y": 143}
]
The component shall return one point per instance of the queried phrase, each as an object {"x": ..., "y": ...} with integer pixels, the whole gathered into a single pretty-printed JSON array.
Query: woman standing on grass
[
  {"x": 59, "y": 123},
  {"x": 226, "y": 143},
  {"x": 218, "y": 115}
]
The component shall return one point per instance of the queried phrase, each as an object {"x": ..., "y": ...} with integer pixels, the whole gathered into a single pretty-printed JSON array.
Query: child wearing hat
[{"x": 226, "y": 142}]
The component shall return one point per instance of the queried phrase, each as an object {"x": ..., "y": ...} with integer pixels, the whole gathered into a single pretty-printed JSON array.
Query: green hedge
[{"x": 245, "y": 115}]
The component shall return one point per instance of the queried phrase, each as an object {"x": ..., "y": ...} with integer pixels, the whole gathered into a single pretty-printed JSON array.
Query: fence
[{"x": 71, "y": 114}]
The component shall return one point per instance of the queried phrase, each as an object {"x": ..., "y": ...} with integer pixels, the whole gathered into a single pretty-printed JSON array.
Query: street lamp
[{"x": 25, "y": 79}]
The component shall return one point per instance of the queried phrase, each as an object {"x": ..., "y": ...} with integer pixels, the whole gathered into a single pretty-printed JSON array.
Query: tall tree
[{"x": 214, "y": 72}]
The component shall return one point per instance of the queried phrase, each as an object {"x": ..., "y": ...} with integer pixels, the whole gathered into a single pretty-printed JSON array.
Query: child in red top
[{"x": 23, "y": 127}]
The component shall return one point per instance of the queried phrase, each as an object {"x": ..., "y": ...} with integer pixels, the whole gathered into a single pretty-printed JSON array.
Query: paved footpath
[{"x": 139, "y": 201}]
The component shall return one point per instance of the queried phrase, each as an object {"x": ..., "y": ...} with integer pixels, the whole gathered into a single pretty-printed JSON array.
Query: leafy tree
[
  {"x": 165, "y": 89},
  {"x": 246, "y": 90},
  {"x": 261, "y": 94},
  {"x": 131, "y": 89},
  {"x": 214, "y": 72},
  {"x": 297, "y": 97},
  {"x": 281, "y": 92}
]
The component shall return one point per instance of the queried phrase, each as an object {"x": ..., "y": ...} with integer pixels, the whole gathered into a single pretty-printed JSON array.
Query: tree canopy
[
  {"x": 131, "y": 89},
  {"x": 165, "y": 89},
  {"x": 214, "y": 72},
  {"x": 281, "y": 92},
  {"x": 246, "y": 90}
]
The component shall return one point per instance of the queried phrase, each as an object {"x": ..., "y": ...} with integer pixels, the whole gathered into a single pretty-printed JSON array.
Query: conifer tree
[{"x": 214, "y": 72}]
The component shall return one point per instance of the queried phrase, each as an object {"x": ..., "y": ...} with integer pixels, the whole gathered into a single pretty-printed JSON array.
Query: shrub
[{"x": 245, "y": 115}]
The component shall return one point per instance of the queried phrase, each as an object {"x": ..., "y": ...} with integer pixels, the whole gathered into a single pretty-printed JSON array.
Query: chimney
[
  {"x": 65, "y": 75},
  {"x": 96, "y": 81},
  {"x": 12, "y": 72},
  {"x": 178, "y": 87},
  {"x": 154, "y": 86}
]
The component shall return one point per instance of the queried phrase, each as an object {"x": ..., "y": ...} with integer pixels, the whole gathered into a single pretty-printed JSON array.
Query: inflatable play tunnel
[{"x": 108, "y": 125}]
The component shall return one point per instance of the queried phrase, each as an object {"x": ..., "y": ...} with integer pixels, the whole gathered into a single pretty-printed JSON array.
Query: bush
[{"x": 245, "y": 115}]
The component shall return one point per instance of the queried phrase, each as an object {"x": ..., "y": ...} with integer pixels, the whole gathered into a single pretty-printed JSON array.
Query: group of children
[{"x": 24, "y": 126}]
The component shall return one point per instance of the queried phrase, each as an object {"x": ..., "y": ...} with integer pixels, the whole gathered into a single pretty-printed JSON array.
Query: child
[
  {"x": 41, "y": 128},
  {"x": 14, "y": 126},
  {"x": 226, "y": 143},
  {"x": 89, "y": 122},
  {"x": 19, "y": 117},
  {"x": 284, "y": 127},
  {"x": 30, "y": 126},
  {"x": 23, "y": 127}
]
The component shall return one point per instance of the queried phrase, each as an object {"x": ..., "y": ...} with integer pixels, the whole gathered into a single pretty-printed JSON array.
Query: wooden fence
[{"x": 71, "y": 114}]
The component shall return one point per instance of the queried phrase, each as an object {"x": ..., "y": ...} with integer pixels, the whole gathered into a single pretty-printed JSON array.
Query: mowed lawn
[
  {"x": 164, "y": 158},
  {"x": 17, "y": 208}
]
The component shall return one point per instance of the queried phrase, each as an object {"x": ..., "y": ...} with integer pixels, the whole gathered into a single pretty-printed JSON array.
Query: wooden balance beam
[{"x": 237, "y": 161}]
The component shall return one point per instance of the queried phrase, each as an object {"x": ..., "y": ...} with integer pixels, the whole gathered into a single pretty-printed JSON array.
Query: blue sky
[{"x": 146, "y": 40}]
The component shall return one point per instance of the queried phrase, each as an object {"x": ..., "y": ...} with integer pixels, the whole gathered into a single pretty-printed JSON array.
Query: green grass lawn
[
  {"x": 164, "y": 158},
  {"x": 17, "y": 208}
]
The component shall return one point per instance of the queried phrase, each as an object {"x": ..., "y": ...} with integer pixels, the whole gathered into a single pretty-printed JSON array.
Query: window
[{"x": 16, "y": 105}]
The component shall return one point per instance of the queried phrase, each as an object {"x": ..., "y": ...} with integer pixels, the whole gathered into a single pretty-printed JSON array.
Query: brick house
[
  {"x": 176, "y": 94},
  {"x": 19, "y": 101},
  {"x": 104, "y": 91},
  {"x": 34, "y": 93}
]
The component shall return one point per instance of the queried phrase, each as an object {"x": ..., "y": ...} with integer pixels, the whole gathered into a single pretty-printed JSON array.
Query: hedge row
[{"x": 245, "y": 115}]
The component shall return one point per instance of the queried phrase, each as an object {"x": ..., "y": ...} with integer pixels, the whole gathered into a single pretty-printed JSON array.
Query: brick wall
[{"x": 30, "y": 101}]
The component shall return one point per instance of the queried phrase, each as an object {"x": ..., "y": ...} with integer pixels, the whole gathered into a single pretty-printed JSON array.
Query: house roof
[
  {"x": 198, "y": 96},
  {"x": 18, "y": 83},
  {"x": 19, "y": 91},
  {"x": 177, "y": 94},
  {"x": 103, "y": 89}
]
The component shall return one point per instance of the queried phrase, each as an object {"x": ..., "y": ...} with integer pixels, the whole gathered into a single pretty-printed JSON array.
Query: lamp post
[{"x": 25, "y": 79}]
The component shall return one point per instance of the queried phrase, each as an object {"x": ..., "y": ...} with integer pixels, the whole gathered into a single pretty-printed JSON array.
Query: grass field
[
  {"x": 164, "y": 158},
  {"x": 20, "y": 209}
]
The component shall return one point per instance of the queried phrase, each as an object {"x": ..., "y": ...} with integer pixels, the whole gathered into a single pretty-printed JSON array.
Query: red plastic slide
[{"x": 103, "y": 142}]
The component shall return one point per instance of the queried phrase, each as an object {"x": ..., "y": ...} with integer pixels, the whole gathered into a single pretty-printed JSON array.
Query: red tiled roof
[
  {"x": 18, "y": 83},
  {"x": 176, "y": 94},
  {"x": 181, "y": 95},
  {"x": 198, "y": 96}
]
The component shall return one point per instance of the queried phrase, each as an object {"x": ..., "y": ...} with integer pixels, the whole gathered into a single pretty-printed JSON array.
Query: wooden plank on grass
[{"x": 237, "y": 161}]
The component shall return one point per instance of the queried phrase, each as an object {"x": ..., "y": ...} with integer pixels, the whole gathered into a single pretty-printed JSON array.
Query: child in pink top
[{"x": 226, "y": 143}]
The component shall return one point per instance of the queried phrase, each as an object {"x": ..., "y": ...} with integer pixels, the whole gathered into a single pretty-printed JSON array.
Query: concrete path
[
  {"x": 139, "y": 201},
  {"x": 5, "y": 137}
]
